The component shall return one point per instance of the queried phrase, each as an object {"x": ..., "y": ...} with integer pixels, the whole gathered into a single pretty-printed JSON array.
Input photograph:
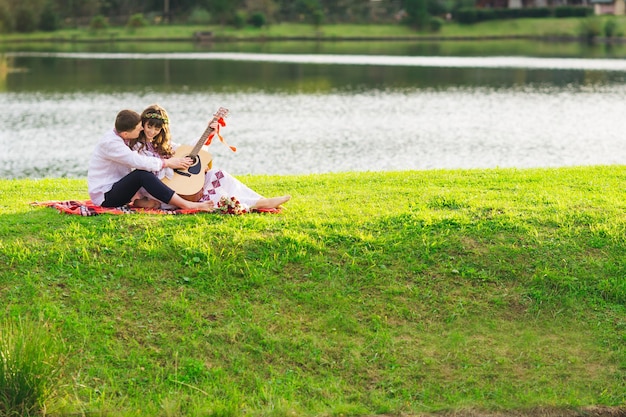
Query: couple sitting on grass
[{"x": 129, "y": 162}]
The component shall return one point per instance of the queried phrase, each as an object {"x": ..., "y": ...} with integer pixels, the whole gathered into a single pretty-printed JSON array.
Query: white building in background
[{"x": 615, "y": 7}]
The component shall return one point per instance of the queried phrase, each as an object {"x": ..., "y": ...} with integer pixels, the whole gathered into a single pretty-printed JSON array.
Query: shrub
[
  {"x": 467, "y": 15},
  {"x": 239, "y": 20},
  {"x": 610, "y": 28},
  {"x": 572, "y": 11},
  {"x": 317, "y": 18},
  {"x": 537, "y": 12},
  {"x": 136, "y": 21},
  {"x": 29, "y": 367},
  {"x": 257, "y": 19},
  {"x": 98, "y": 22},
  {"x": 485, "y": 14},
  {"x": 435, "y": 24},
  {"x": 199, "y": 16},
  {"x": 506, "y": 13}
]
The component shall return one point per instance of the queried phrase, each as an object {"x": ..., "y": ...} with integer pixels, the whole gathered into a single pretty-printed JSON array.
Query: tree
[
  {"x": 311, "y": 11},
  {"x": 71, "y": 10},
  {"x": 113, "y": 8},
  {"x": 6, "y": 19},
  {"x": 340, "y": 10},
  {"x": 25, "y": 20},
  {"x": 286, "y": 10},
  {"x": 268, "y": 8},
  {"x": 49, "y": 20},
  {"x": 224, "y": 10},
  {"x": 417, "y": 13},
  {"x": 257, "y": 19}
]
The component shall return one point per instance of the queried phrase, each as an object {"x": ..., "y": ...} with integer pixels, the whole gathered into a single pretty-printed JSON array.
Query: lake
[{"x": 304, "y": 108}]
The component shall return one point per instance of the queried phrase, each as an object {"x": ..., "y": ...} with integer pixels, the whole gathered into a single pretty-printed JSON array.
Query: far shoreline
[
  {"x": 531, "y": 29},
  {"x": 261, "y": 39}
]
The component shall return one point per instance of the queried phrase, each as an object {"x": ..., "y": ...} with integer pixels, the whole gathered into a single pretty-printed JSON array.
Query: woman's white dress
[{"x": 217, "y": 184}]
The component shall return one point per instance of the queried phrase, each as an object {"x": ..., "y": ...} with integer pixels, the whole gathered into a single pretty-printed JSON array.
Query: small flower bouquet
[{"x": 230, "y": 206}]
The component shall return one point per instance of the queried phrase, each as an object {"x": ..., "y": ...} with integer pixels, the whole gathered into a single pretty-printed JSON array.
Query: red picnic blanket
[{"x": 87, "y": 208}]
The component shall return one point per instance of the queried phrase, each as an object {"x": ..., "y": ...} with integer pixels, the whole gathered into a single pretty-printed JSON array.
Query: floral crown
[{"x": 156, "y": 116}]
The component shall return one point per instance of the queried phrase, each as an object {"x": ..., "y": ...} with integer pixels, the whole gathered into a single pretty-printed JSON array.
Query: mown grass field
[
  {"x": 527, "y": 27},
  {"x": 401, "y": 293}
]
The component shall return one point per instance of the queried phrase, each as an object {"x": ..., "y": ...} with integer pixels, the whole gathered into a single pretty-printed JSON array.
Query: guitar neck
[{"x": 196, "y": 149}]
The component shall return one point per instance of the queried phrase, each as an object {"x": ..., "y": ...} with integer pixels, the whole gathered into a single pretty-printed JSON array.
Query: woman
[{"x": 155, "y": 140}]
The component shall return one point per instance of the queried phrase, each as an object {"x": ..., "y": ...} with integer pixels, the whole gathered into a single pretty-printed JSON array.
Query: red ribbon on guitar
[{"x": 220, "y": 122}]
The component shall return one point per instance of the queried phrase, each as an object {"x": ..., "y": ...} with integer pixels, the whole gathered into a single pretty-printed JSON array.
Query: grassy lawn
[
  {"x": 500, "y": 28},
  {"x": 422, "y": 292}
]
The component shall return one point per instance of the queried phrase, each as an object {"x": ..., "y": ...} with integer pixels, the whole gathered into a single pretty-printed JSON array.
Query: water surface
[{"x": 311, "y": 113}]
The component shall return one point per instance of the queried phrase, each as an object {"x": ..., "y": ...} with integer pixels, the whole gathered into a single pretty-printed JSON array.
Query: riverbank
[
  {"x": 545, "y": 29},
  {"x": 454, "y": 292}
]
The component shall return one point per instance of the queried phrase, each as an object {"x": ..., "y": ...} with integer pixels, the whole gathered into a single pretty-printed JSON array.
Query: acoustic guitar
[{"x": 189, "y": 183}]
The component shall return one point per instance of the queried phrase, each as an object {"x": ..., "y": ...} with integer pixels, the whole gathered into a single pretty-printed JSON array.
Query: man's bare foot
[
  {"x": 180, "y": 202},
  {"x": 273, "y": 202},
  {"x": 146, "y": 203}
]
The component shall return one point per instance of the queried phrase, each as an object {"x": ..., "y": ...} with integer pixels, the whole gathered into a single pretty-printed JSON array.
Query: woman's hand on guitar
[{"x": 179, "y": 163}]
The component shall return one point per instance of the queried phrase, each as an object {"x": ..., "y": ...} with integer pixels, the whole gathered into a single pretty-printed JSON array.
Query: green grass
[
  {"x": 375, "y": 293},
  {"x": 545, "y": 27},
  {"x": 30, "y": 365}
]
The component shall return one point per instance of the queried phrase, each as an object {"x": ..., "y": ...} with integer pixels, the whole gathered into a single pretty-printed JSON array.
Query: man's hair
[{"x": 127, "y": 120}]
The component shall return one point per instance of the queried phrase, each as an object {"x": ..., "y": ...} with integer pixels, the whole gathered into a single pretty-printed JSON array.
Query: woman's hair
[{"x": 156, "y": 116}]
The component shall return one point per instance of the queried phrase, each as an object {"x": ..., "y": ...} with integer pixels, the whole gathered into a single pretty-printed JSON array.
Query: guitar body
[{"x": 189, "y": 183}]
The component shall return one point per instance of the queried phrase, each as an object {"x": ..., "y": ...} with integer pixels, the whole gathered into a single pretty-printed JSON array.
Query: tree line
[{"x": 48, "y": 15}]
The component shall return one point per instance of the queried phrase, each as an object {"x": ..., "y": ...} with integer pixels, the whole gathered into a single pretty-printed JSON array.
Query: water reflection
[
  {"x": 235, "y": 72},
  {"x": 459, "y": 48},
  {"x": 4, "y": 71}
]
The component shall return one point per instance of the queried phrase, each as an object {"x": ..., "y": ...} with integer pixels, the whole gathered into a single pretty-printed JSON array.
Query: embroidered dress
[{"x": 217, "y": 184}]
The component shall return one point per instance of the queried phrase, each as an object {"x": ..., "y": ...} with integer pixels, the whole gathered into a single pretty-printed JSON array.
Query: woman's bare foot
[
  {"x": 273, "y": 202},
  {"x": 146, "y": 203}
]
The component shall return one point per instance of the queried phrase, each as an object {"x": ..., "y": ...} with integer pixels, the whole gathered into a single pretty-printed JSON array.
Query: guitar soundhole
[{"x": 197, "y": 165}]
